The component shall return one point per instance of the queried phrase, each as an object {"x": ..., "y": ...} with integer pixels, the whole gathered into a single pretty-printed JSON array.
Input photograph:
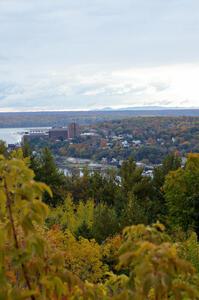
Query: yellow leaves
[
  {"x": 17, "y": 154},
  {"x": 59, "y": 287},
  {"x": 41, "y": 263},
  {"x": 116, "y": 283},
  {"x": 159, "y": 226},
  {"x": 54, "y": 288},
  {"x": 110, "y": 248},
  {"x": 2, "y": 237},
  {"x": 192, "y": 161},
  {"x": 2, "y": 203},
  {"x": 189, "y": 249},
  {"x": 33, "y": 213},
  {"x": 36, "y": 244},
  {"x": 153, "y": 263},
  {"x": 21, "y": 294},
  {"x": 41, "y": 187},
  {"x": 73, "y": 216},
  {"x": 57, "y": 259},
  {"x": 184, "y": 291},
  {"x": 39, "y": 211},
  {"x": 21, "y": 211},
  {"x": 83, "y": 258},
  {"x": 90, "y": 292},
  {"x": 27, "y": 225},
  {"x": 23, "y": 193}
]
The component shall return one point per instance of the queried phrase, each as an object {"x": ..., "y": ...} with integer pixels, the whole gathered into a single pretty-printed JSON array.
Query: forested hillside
[
  {"x": 62, "y": 118},
  {"x": 120, "y": 236}
]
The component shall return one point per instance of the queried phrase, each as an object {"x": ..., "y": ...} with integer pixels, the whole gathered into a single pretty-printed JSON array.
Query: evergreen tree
[
  {"x": 105, "y": 222},
  {"x": 27, "y": 151},
  {"x": 134, "y": 183},
  {"x": 47, "y": 171},
  {"x": 3, "y": 149}
]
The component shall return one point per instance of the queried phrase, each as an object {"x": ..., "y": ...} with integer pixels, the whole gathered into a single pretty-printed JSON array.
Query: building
[
  {"x": 34, "y": 134},
  {"x": 12, "y": 147},
  {"x": 103, "y": 143},
  {"x": 125, "y": 144},
  {"x": 53, "y": 134},
  {"x": 73, "y": 130},
  {"x": 60, "y": 134}
]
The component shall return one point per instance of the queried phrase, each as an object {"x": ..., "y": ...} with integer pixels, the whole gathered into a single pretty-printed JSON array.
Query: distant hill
[
  {"x": 144, "y": 108},
  {"x": 33, "y": 119}
]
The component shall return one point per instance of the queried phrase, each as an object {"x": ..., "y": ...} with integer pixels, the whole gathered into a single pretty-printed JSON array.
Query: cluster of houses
[{"x": 107, "y": 141}]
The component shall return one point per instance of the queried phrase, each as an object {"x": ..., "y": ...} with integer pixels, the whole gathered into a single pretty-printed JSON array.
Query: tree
[
  {"x": 82, "y": 257},
  {"x": 171, "y": 163},
  {"x": 133, "y": 183},
  {"x": 27, "y": 151},
  {"x": 3, "y": 148},
  {"x": 105, "y": 223},
  {"x": 41, "y": 263},
  {"x": 132, "y": 180},
  {"x": 104, "y": 188},
  {"x": 47, "y": 171},
  {"x": 155, "y": 269},
  {"x": 73, "y": 216},
  {"x": 26, "y": 264},
  {"x": 182, "y": 195},
  {"x": 133, "y": 212}
]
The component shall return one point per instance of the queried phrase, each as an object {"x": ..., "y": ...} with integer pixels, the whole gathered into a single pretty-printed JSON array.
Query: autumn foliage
[{"x": 41, "y": 258}]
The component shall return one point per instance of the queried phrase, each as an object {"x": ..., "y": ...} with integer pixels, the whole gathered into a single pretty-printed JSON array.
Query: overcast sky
[{"x": 87, "y": 54}]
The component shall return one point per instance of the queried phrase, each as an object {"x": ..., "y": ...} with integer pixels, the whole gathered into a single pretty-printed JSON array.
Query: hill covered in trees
[{"x": 62, "y": 118}]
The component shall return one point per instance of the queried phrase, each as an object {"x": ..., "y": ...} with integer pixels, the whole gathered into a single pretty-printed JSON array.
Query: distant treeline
[{"x": 33, "y": 119}]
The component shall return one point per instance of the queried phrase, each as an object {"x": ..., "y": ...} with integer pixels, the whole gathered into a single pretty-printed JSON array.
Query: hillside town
[{"x": 106, "y": 145}]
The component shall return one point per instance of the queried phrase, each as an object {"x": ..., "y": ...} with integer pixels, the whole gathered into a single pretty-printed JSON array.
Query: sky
[{"x": 91, "y": 54}]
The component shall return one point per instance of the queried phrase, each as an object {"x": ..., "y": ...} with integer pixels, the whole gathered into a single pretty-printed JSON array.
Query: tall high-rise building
[{"x": 73, "y": 130}]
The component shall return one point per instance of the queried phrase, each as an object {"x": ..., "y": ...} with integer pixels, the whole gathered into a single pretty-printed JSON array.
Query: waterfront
[
  {"x": 14, "y": 135},
  {"x": 69, "y": 165}
]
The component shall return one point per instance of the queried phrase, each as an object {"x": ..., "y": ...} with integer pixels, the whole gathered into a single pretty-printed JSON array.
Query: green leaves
[
  {"x": 154, "y": 265},
  {"x": 34, "y": 260},
  {"x": 2, "y": 204},
  {"x": 21, "y": 213},
  {"x": 182, "y": 195}
]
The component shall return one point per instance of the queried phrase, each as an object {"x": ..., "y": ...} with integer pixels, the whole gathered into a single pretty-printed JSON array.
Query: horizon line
[{"x": 105, "y": 109}]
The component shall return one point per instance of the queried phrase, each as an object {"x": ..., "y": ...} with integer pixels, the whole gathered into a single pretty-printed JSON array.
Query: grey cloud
[
  {"x": 91, "y": 38},
  {"x": 160, "y": 86},
  {"x": 139, "y": 31},
  {"x": 114, "y": 90}
]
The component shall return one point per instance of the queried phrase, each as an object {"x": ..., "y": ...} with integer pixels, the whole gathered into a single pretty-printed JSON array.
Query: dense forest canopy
[{"x": 80, "y": 238}]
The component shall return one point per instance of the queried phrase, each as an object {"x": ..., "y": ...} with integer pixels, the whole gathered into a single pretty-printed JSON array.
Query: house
[{"x": 125, "y": 144}]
